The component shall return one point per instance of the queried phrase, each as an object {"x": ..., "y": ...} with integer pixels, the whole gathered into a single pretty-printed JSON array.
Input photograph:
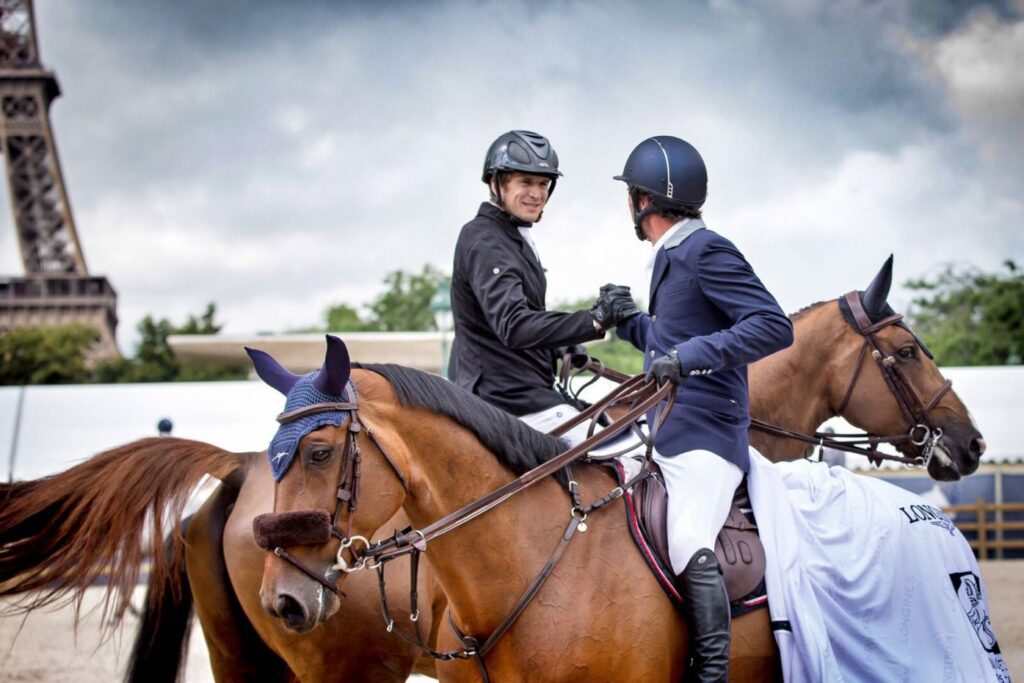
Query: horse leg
[
  {"x": 161, "y": 641},
  {"x": 236, "y": 651},
  {"x": 753, "y": 654}
]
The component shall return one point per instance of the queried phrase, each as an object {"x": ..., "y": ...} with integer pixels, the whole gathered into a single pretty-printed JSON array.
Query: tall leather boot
[{"x": 706, "y": 607}]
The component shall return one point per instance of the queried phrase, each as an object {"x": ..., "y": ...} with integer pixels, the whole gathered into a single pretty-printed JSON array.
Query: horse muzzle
[
  {"x": 957, "y": 454},
  {"x": 300, "y": 604}
]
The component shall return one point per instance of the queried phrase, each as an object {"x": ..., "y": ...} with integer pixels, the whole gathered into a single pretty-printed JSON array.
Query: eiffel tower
[{"x": 56, "y": 287}]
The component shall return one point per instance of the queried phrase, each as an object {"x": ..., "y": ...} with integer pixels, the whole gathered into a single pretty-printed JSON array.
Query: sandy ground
[{"x": 44, "y": 647}]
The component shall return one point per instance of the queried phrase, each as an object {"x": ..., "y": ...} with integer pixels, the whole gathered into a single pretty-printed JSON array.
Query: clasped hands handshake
[{"x": 614, "y": 306}]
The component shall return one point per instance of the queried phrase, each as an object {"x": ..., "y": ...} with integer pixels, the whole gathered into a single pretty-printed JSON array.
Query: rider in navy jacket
[
  {"x": 709, "y": 317},
  {"x": 708, "y": 306}
]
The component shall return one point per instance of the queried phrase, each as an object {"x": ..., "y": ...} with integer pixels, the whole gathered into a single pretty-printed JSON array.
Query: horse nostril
[
  {"x": 977, "y": 447},
  {"x": 289, "y": 610}
]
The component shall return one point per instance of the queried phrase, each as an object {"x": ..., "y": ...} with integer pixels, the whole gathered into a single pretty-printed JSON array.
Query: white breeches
[
  {"x": 700, "y": 488},
  {"x": 546, "y": 420}
]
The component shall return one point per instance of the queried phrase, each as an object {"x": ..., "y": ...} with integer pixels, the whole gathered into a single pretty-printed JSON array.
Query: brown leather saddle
[{"x": 738, "y": 547}]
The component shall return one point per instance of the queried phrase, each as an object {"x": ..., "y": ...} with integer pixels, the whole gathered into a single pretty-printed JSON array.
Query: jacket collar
[
  {"x": 691, "y": 226},
  {"x": 661, "y": 258},
  {"x": 501, "y": 219}
]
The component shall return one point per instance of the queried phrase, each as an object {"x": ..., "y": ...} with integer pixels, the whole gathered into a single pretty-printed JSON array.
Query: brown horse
[
  {"x": 601, "y": 616},
  {"x": 815, "y": 373}
]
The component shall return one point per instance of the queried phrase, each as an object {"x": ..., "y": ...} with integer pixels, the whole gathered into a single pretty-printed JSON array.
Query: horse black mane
[
  {"x": 806, "y": 309},
  {"x": 516, "y": 444}
]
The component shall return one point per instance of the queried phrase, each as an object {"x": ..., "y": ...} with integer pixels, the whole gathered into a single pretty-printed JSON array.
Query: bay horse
[
  {"x": 600, "y": 616},
  {"x": 793, "y": 388}
]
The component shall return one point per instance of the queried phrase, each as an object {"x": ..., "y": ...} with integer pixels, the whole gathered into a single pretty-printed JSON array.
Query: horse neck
[
  {"x": 483, "y": 565},
  {"x": 791, "y": 388}
]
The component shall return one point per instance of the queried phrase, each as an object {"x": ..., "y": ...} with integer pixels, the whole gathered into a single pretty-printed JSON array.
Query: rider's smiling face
[{"x": 524, "y": 195}]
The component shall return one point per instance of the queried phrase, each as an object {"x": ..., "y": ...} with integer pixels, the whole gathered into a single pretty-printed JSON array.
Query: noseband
[{"x": 275, "y": 531}]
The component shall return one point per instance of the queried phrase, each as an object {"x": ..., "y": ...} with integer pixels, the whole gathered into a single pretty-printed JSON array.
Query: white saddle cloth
[{"x": 868, "y": 582}]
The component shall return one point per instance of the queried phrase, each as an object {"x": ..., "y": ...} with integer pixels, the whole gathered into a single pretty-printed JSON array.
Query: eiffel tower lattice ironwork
[{"x": 57, "y": 287}]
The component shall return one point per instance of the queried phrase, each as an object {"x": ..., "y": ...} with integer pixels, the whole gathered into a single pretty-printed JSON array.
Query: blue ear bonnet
[{"x": 303, "y": 394}]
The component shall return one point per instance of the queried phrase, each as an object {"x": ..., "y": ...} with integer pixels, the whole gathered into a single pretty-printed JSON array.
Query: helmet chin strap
[{"x": 639, "y": 216}]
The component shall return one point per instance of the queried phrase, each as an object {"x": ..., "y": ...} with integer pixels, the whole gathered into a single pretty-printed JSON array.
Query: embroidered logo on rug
[
  {"x": 930, "y": 514},
  {"x": 969, "y": 591}
]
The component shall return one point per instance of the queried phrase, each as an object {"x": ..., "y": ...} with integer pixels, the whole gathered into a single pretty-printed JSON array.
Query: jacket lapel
[
  {"x": 661, "y": 258},
  {"x": 660, "y": 267}
]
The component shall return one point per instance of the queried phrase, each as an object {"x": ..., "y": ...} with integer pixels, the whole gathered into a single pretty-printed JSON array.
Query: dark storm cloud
[{"x": 275, "y": 157}]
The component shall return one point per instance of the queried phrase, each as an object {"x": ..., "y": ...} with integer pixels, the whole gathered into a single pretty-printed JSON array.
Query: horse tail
[
  {"x": 60, "y": 534},
  {"x": 161, "y": 642},
  {"x": 162, "y": 638}
]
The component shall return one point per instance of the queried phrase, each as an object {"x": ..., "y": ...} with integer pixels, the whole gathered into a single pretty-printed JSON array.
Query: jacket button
[
  {"x": 652, "y": 353},
  {"x": 654, "y": 318}
]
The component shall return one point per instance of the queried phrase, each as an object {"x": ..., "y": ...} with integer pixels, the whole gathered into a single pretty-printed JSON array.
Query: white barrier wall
[{"x": 62, "y": 425}]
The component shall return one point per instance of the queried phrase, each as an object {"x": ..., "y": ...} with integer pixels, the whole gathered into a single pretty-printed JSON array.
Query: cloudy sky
[{"x": 276, "y": 158}]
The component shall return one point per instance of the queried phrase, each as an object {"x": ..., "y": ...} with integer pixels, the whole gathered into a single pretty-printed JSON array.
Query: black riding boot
[{"x": 706, "y": 606}]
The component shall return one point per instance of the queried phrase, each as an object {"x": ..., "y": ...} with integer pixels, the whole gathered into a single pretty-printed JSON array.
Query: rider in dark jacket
[
  {"x": 505, "y": 339},
  {"x": 710, "y": 316}
]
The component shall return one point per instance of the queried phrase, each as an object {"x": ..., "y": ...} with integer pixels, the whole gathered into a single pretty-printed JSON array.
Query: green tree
[
  {"x": 405, "y": 306},
  {"x": 344, "y": 318},
  {"x": 46, "y": 355},
  {"x": 967, "y": 317},
  {"x": 155, "y": 362}
]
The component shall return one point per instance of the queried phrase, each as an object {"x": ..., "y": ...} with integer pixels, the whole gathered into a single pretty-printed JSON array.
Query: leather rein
[
  {"x": 640, "y": 396},
  {"x": 921, "y": 431}
]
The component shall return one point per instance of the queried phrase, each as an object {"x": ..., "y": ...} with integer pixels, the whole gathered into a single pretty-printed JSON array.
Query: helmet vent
[{"x": 518, "y": 153}]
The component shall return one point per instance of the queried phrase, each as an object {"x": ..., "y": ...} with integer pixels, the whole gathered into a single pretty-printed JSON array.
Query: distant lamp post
[{"x": 441, "y": 307}]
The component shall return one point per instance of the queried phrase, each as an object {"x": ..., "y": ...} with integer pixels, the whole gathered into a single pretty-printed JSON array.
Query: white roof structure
[
  {"x": 46, "y": 429},
  {"x": 305, "y": 352}
]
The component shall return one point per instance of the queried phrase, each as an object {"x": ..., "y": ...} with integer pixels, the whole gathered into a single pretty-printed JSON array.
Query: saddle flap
[{"x": 738, "y": 546}]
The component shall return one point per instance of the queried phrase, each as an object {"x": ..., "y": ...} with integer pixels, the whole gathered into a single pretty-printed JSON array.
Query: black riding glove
[
  {"x": 614, "y": 306},
  {"x": 577, "y": 352},
  {"x": 665, "y": 369}
]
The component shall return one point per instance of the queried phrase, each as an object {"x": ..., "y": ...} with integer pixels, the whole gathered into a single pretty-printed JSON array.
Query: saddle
[{"x": 738, "y": 546}]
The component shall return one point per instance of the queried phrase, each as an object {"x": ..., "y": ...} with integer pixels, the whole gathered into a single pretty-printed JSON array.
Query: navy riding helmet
[{"x": 670, "y": 170}]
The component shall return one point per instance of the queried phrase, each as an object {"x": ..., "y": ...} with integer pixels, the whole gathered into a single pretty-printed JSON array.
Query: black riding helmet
[
  {"x": 523, "y": 151},
  {"x": 671, "y": 171}
]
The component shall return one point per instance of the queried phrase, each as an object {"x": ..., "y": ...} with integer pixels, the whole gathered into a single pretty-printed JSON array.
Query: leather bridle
[
  {"x": 921, "y": 430},
  {"x": 346, "y": 499}
]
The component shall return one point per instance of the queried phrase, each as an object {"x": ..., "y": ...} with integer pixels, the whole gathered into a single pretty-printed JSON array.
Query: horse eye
[
  {"x": 906, "y": 352},
  {"x": 320, "y": 456}
]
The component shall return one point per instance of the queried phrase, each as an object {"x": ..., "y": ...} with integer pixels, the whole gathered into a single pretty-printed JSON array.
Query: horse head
[
  {"x": 320, "y": 523},
  {"x": 896, "y": 387}
]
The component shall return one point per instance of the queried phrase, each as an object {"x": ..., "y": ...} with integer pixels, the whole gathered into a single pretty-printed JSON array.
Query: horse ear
[
  {"x": 272, "y": 372},
  {"x": 877, "y": 292},
  {"x": 336, "y": 370}
]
